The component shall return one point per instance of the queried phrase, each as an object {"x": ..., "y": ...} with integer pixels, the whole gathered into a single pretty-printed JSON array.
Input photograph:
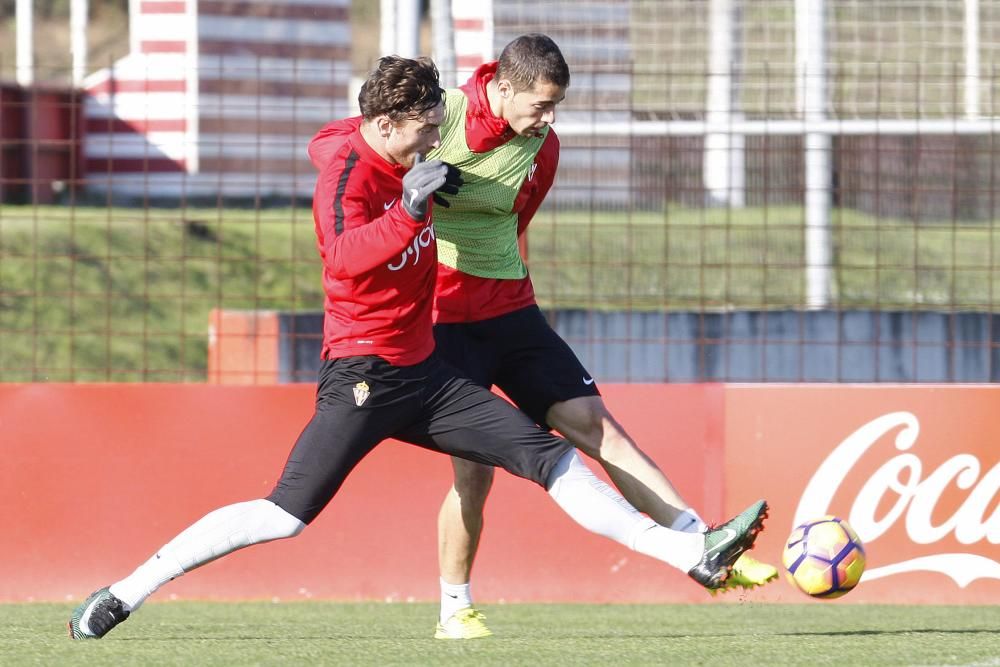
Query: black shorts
[
  {"x": 520, "y": 353},
  {"x": 361, "y": 401}
]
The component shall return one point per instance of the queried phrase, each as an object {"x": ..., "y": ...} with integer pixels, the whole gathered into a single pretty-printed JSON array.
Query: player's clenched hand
[
  {"x": 423, "y": 180},
  {"x": 452, "y": 182}
]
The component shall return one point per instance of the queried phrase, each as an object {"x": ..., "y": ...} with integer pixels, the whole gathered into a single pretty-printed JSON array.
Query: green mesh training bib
[{"x": 478, "y": 234}]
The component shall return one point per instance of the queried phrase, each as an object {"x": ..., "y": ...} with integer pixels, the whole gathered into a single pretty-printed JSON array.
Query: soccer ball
[{"x": 824, "y": 558}]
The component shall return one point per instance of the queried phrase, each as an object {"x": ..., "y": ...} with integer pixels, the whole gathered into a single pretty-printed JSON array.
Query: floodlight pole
[
  {"x": 387, "y": 27},
  {"x": 78, "y": 39},
  {"x": 724, "y": 165},
  {"x": 400, "y": 28},
  {"x": 443, "y": 31},
  {"x": 810, "y": 61},
  {"x": 25, "y": 47},
  {"x": 972, "y": 58}
]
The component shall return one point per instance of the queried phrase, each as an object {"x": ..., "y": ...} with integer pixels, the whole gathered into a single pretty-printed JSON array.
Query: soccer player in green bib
[
  {"x": 497, "y": 132},
  {"x": 487, "y": 323}
]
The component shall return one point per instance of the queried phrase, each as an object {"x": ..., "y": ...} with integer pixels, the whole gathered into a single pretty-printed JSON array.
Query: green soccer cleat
[
  {"x": 726, "y": 543},
  {"x": 468, "y": 623},
  {"x": 748, "y": 572},
  {"x": 97, "y": 616}
]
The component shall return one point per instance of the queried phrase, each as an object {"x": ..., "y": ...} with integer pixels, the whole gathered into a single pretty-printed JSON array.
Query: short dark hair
[
  {"x": 400, "y": 88},
  {"x": 530, "y": 59}
]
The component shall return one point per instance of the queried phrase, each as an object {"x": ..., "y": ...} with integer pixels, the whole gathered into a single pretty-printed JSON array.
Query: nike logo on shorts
[
  {"x": 588, "y": 381},
  {"x": 389, "y": 205}
]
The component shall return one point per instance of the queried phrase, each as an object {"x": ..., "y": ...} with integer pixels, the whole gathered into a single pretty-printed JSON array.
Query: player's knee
[
  {"x": 615, "y": 443},
  {"x": 601, "y": 437},
  {"x": 588, "y": 425},
  {"x": 472, "y": 484},
  {"x": 274, "y": 523}
]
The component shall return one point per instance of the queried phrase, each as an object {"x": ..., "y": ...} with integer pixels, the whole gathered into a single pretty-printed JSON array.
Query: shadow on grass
[
  {"x": 908, "y": 631},
  {"x": 572, "y": 638}
]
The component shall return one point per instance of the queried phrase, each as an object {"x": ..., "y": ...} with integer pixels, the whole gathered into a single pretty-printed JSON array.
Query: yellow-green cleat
[
  {"x": 468, "y": 623},
  {"x": 748, "y": 572}
]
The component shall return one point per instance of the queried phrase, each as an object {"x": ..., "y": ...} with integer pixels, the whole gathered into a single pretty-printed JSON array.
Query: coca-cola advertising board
[{"x": 914, "y": 469}]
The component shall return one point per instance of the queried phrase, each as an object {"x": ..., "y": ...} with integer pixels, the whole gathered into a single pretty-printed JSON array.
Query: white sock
[
  {"x": 453, "y": 598},
  {"x": 147, "y": 578},
  {"x": 214, "y": 535},
  {"x": 663, "y": 544},
  {"x": 602, "y": 510},
  {"x": 688, "y": 521}
]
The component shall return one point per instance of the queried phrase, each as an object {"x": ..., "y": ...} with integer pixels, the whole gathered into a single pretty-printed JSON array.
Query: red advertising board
[{"x": 96, "y": 477}]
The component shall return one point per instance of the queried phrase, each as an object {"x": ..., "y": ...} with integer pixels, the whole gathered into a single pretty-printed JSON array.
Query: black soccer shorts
[
  {"x": 361, "y": 401},
  {"x": 519, "y": 353}
]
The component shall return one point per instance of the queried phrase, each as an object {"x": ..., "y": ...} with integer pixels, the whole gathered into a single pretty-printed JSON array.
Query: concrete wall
[{"x": 745, "y": 346}]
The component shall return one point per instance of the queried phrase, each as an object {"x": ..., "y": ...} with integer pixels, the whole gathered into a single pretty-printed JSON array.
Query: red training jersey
[{"x": 379, "y": 264}]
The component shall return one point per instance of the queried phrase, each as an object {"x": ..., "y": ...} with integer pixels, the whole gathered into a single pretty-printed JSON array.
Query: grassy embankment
[{"x": 94, "y": 294}]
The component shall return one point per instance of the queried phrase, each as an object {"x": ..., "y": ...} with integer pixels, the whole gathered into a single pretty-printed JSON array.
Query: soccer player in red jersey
[
  {"x": 487, "y": 323},
  {"x": 380, "y": 377}
]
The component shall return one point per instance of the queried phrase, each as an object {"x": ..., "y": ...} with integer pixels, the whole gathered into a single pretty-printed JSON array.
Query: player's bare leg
[
  {"x": 587, "y": 423},
  {"x": 460, "y": 525},
  {"x": 460, "y": 521}
]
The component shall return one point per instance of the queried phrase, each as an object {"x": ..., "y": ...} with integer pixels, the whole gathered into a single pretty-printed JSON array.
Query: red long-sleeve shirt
[
  {"x": 460, "y": 297},
  {"x": 379, "y": 264}
]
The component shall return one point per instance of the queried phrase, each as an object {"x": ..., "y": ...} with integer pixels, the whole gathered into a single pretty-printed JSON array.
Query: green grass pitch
[{"x": 328, "y": 633}]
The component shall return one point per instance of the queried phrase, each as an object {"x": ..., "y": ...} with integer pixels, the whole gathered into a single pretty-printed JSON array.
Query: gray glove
[{"x": 425, "y": 179}]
